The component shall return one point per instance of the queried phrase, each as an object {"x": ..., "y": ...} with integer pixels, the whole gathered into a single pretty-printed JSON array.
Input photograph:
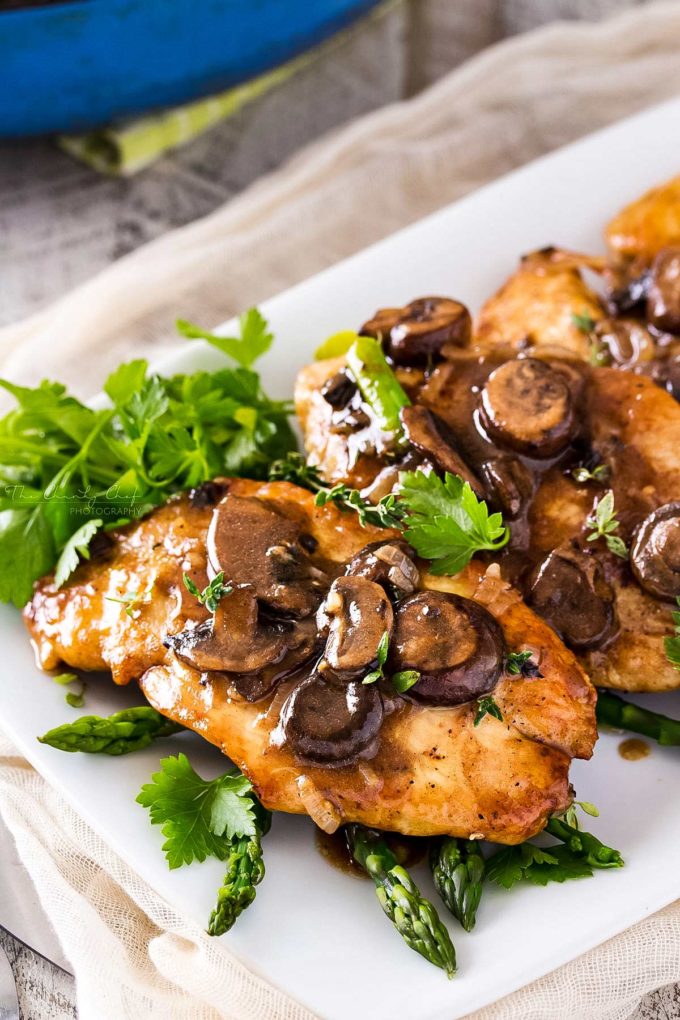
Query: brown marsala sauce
[
  {"x": 408, "y": 850},
  {"x": 634, "y": 749}
]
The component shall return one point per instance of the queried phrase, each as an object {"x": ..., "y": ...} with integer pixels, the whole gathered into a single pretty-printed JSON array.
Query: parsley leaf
[
  {"x": 27, "y": 550},
  {"x": 671, "y": 645},
  {"x": 405, "y": 679},
  {"x": 487, "y": 706},
  {"x": 387, "y": 513},
  {"x": 510, "y": 865},
  {"x": 603, "y": 524},
  {"x": 521, "y": 664},
  {"x": 585, "y": 322},
  {"x": 381, "y": 655},
  {"x": 64, "y": 465},
  {"x": 212, "y": 594},
  {"x": 599, "y": 474},
  {"x": 133, "y": 601},
  {"x": 254, "y": 341},
  {"x": 446, "y": 523},
  {"x": 528, "y": 862},
  {"x": 198, "y": 817},
  {"x": 76, "y": 546}
]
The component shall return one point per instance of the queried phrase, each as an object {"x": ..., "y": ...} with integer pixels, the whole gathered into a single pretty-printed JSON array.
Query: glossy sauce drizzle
[
  {"x": 408, "y": 850},
  {"x": 634, "y": 749}
]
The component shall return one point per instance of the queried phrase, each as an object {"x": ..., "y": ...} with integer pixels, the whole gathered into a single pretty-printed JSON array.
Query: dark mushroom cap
[
  {"x": 665, "y": 374},
  {"x": 339, "y": 390},
  {"x": 355, "y": 615},
  {"x": 571, "y": 594},
  {"x": 655, "y": 552},
  {"x": 331, "y": 722},
  {"x": 391, "y": 564},
  {"x": 454, "y": 643},
  {"x": 232, "y": 640},
  {"x": 257, "y": 653},
  {"x": 527, "y": 406},
  {"x": 417, "y": 333},
  {"x": 253, "y": 544},
  {"x": 625, "y": 340},
  {"x": 663, "y": 294},
  {"x": 508, "y": 482},
  {"x": 433, "y": 437}
]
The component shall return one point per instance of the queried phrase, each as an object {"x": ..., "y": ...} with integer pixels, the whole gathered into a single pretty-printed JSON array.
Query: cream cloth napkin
[{"x": 134, "y": 956}]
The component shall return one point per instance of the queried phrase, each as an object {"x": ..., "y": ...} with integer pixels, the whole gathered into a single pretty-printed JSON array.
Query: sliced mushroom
[
  {"x": 331, "y": 722},
  {"x": 432, "y": 437},
  {"x": 418, "y": 333},
  {"x": 349, "y": 413},
  {"x": 253, "y": 544},
  {"x": 355, "y": 616},
  {"x": 454, "y": 643},
  {"x": 509, "y": 483},
  {"x": 626, "y": 341},
  {"x": 256, "y": 652},
  {"x": 663, "y": 295},
  {"x": 655, "y": 552},
  {"x": 207, "y": 494},
  {"x": 570, "y": 592},
  {"x": 626, "y": 288},
  {"x": 339, "y": 390},
  {"x": 665, "y": 374},
  {"x": 390, "y": 564},
  {"x": 232, "y": 640},
  {"x": 527, "y": 405}
]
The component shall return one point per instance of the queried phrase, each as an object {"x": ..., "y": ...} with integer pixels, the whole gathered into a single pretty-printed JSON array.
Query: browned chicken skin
[
  {"x": 429, "y": 771},
  {"x": 501, "y": 418}
]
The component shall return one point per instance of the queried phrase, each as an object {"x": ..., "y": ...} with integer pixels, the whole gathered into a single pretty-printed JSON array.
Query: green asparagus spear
[
  {"x": 378, "y": 384},
  {"x": 625, "y": 716},
  {"x": 593, "y": 852},
  {"x": 458, "y": 872},
  {"x": 245, "y": 870},
  {"x": 120, "y": 733},
  {"x": 414, "y": 917}
]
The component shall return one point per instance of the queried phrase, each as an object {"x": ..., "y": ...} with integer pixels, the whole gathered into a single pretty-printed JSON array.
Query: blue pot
[{"x": 71, "y": 66}]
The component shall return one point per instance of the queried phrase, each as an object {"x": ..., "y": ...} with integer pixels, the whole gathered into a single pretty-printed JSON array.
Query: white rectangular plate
[{"x": 318, "y": 934}]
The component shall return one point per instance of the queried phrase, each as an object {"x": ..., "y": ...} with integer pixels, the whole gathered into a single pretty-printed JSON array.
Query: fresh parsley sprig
[
  {"x": 603, "y": 523},
  {"x": 445, "y": 522},
  {"x": 198, "y": 817},
  {"x": 584, "y": 321},
  {"x": 293, "y": 468},
  {"x": 528, "y": 862},
  {"x": 381, "y": 657},
  {"x": 203, "y": 818},
  {"x": 599, "y": 474},
  {"x": 66, "y": 467},
  {"x": 255, "y": 337},
  {"x": 486, "y": 705},
  {"x": 212, "y": 594},
  {"x": 671, "y": 645},
  {"x": 133, "y": 601},
  {"x": 405, "y": 679},
  {"x": 522, "y": 664}
]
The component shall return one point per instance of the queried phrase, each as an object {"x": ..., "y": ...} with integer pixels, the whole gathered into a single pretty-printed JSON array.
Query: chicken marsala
[
  {"x": 274, "y": 677},
  {"x": 518, "y": 410}
]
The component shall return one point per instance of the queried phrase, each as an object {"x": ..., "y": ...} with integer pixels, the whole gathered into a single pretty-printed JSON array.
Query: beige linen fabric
[{"x": 134, "y": 957}]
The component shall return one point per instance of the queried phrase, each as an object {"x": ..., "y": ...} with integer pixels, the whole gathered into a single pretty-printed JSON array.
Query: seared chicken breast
[
  {"x": 522, "y": 429},
  {"x": 274, "y": 676}
]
